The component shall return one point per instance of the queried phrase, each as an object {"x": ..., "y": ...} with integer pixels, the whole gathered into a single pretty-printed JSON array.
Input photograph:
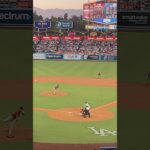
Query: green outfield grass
[
  {"x": 77, "y": 96},
  {"x": 74, "y": 68},
  {"x": 48, "y": 130},
  {"x": 54, "y": 131}
]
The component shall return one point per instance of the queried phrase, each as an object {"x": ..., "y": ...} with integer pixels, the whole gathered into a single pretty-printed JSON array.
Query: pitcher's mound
[{"x": 58, "y": 93}]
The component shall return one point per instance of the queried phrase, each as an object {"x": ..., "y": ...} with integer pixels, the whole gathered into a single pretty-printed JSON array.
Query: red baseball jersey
[{"x": 16, "y": 114}]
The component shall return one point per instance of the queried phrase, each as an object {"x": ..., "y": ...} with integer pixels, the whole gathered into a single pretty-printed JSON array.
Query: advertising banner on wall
[
  {"x": 102, "y": 27},
  {"x": 54, "y": 56},
  {"x": 112, "y": 38},
  {"x": 16, "y": 17},
  {"x": 42, "y": 24},
  {"x": 91, "y": 57},
  {"x": 97, "y": 38},
  {"x": 108, "y": 148},
  {"x": 105, "y": 20},
  {"x": 39, "y": 56},
  {"x": 64, "y": 24},
  {"x": 73, "y": 57},
  {"x": 107, "y": 58},
  {"x": 72, "y": 37}
]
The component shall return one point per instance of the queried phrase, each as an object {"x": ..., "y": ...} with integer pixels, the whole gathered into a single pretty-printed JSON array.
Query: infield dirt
[{"x": 73, "y": 114}]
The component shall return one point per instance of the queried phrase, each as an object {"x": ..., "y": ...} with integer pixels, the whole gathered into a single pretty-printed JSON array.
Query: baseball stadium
[
  {"x": 74, "y": 67},
  {"x": 57, "y": 117},
  {"x": 74, "y": 76}
]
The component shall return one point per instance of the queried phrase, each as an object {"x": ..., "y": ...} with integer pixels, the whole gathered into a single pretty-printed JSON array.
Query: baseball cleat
[{"x": 8, "y": 136}]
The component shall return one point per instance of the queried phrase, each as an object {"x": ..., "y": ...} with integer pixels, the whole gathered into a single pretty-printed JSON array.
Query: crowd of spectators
[{"x": 84, "y": 46}]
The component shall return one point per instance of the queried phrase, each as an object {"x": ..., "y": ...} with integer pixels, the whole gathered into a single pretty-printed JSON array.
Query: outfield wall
[{"x": 49, "y": 56}]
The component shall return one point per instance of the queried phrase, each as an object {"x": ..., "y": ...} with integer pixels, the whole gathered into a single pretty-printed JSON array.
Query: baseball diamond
[{"x": 57, "y": 118}]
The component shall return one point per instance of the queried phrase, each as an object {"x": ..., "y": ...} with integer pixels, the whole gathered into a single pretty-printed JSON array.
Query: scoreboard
[
  {"x": 111, "y": 10},
  {"x": 99, "y": 10},
  {"x": 102, "y": 15}
]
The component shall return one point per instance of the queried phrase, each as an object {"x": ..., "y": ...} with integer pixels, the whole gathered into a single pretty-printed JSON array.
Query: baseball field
[{"x": 57, "y": 117}]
